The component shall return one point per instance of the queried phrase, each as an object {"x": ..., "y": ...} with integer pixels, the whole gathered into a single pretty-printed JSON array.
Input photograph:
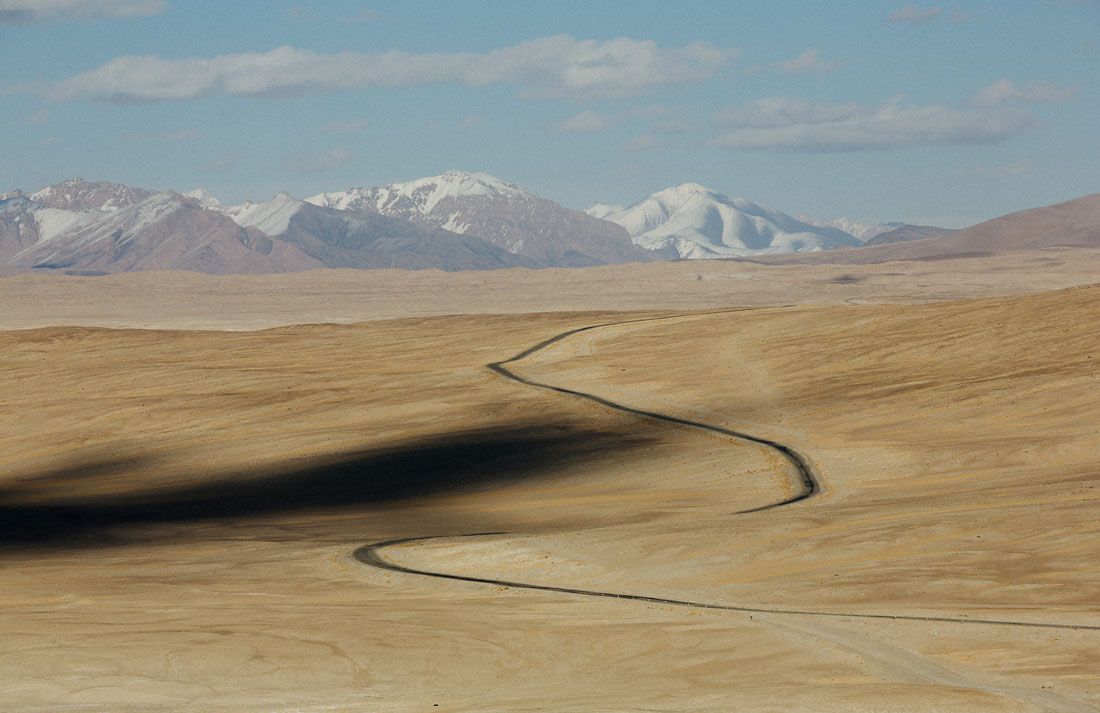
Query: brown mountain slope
[
  {"x": 165, "y": 231},
  {"x": 906, "y": 233},
  {"x": 1075, "y": 223}
]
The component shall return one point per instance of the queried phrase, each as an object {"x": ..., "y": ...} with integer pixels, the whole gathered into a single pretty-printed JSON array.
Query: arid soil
[
  {"x": 179, "y": 509},
  {"x": 186, "y": 300}
]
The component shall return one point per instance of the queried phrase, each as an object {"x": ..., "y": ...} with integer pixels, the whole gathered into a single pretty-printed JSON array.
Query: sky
[{"x": 938, "y": 113}]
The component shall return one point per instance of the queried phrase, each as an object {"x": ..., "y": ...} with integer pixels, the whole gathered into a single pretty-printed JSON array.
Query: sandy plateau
[{"x": 180, "y": 504}]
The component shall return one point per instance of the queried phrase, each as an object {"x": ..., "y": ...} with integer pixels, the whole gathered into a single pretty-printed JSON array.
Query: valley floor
[{"x": 180, "y": 512}]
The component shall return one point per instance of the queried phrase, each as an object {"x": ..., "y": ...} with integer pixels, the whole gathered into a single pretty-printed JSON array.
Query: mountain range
[
  {"x": 459, "y": 221},
  {"x": 501, "y": 213}
]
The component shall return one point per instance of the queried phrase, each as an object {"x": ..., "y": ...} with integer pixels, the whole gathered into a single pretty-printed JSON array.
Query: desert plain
[{"x": 190, "y": 465}]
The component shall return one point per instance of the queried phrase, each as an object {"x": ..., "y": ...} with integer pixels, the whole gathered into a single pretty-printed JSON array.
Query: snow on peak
[
  {"x": 271, "y": 217},
  {"x": 686, "y": 189},
  {"x": 698, "y": 222},
  {"x": 602, "y": 210},
  {"x": 419, "y": 196},
  {"x": 426, "y": 193},
  {"x": 204, "y": 197},
  {"x": 861, "y": 231},
  {"x": 466, "y": 183},
  {"x": 78, "y": 194}
]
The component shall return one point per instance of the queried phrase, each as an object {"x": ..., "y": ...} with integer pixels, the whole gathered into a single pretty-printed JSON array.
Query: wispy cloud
[
  {"x": 364, "y": 15},
  {"x": 550, "y": 67},
  {"x": 913, "y": 15},
  {"x": 659, "y": 116},
  {"x": 648, "y": 111},
  {"x": 1011, "y": 169},
  {"x": 644, "y": 142},
  {"x": 792, "y": 125},
  {"x": 472, "y": 121},
  {"x": 26, "y": 12},
  {"x": 586, "y": 122},
  {"x": 38, "y": 118},
  {"x": 1005, "y": 91},
  {"x": 807, "y": 62},
  {"x": 784, "y": 111},
  {"x": 318, "y": 162},
  {"x": 345, "y": 127},
  {"x": 226, "y": 163},
  {"x": 166, "y": 137}
]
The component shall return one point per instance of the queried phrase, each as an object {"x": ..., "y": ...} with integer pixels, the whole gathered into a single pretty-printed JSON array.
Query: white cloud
[
  {"x": 793, "y": 125},
  {"x": 345, "y": 127},
  {"x": 472, "y": 121},
  {"x": 25, "y": 12},
  {"x": 1005, "y": 91},
  {"x": 587, "y": 122},
  {"x": 914, "y": 15},
  {"x": 808, "y": 61},
  {"x": 323, "y": 162},
  {"x": 550, "y": 67},
  {"x": 162, "y": 136}
]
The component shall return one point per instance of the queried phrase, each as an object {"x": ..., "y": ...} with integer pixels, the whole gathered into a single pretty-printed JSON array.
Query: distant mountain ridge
[
  {"x": 78, "y": 194},
  {"x": 501, "y": 213},
  {"x": 103, "y": 228},
  {"x": 1070, "y": 224},
  {"x": 461, "y": 221},
  {"x": 862, "y": 232},
  {"x": 905, "y": 233},
  {"x": 368, "y": 239},
  {"x": 164, "y": 230}
]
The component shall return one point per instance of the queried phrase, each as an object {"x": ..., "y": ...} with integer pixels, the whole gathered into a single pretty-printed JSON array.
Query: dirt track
[{"x": 807, "y": 481}]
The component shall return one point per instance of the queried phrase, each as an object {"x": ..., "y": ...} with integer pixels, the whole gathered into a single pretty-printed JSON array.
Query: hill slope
[{"x": 1074, "y": 223}]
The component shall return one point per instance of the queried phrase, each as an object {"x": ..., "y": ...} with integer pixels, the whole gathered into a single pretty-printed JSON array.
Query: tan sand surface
[
  {"x": 184, "y": 300},
  {"x": 180, "y": 510}
]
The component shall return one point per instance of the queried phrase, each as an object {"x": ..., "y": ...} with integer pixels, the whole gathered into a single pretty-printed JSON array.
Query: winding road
[{"x": 808, "y": 486}]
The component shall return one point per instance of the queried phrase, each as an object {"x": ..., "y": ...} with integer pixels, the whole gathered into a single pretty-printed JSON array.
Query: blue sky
[{"x": 944, "y": 113}]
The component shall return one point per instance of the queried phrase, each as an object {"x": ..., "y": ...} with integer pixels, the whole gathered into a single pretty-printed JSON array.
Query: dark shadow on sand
[{"x": 33, "y": 516}]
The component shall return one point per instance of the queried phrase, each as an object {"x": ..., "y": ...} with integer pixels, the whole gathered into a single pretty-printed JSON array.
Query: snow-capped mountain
[
  {"x": 112, "y": 228},
  {"x": 341, "y": 238},
  {"x": 860, "y": 231},
  {"x": 477, "y": 204},
  {"x": 25, "y": 223},
  {"x": 164, "y": 231},
  {"x": 419, "y": 197},
  {"x": 204, "y": 197},
  {"x": 272, "y": 217},
  {"x": 454, "y": 221},
  {"x": 602, "y": 210},
  {"x": 78, "y": 194},
  {"x": 697, "y": 222}
]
